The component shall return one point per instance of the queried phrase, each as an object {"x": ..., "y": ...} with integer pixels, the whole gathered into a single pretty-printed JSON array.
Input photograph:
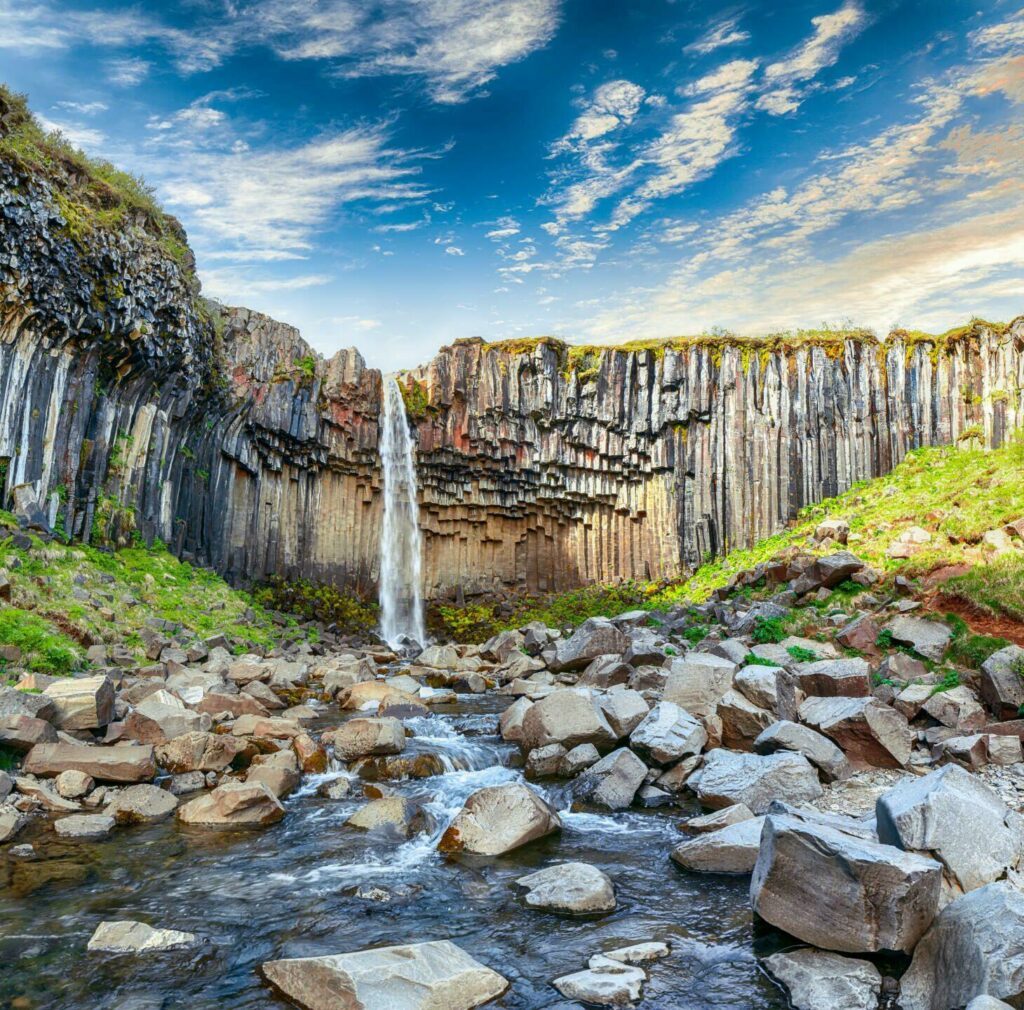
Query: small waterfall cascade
[{"x": 401, "y": 593}]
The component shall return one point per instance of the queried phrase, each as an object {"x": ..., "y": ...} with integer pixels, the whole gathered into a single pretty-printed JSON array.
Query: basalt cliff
[{"x": 131, "y": 406}]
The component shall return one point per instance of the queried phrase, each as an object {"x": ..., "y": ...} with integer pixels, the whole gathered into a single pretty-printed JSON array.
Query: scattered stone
[
  {"x": 84, "y": 827},
  {"x": 926, "y": 638},
  {"x": 498, "y": 819},
  {"x": 667, "y": 734},
  {"x": 543, "y": 762},
  {"x": 436, "y": 975},
  {"x": 73, "y": 785},
  {"x": 1002, "y": 686},
  {"x": 867, "y": 730},
  {"x": 613, "y": 781},
  {"x": 127, "y": 937},
  {"x": 717, "y": 819},
  {"x": 569, "y": 718},
  {"x": 638, "y": 953},
  {"x": 816, "y": 979},
  {"x": 82, "y": 703},
  {"x": 577, "y": 760},
  {"x": 731, "y": 849},
  {"x": 335, "y": 789},
  {"x": 142, "y": 804},
  {"x": 604, "y": 983},
  {"x": 357, "y": 738},
  {"x": 596, "y": 636},
  {"x": 729, "y": 777},
  {"x": 575, "y": 888},
  {"x": 819, "y": 750},
  {"x": 11, "y": 822}
]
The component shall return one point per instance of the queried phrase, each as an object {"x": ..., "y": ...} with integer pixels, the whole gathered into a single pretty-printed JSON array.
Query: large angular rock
[
  {"x": 742, "y": 720},
  {"x": 84, "y": 827},
  {"x": 128, "y": 937},
  {"x": 436, "y": 975},
  {"x": 819, "y": 750},
  {"x": 510, "y": 722},
  {"x": 162, "y": 716},
  {"x": 605, "y": 672},
  {"x": 36, "y": 706},
  {"x": 955, "y": 818},
  {"x": 498, "y": 819},
  {"x": 974, "y": 948},
  {"x": 568, "y": 717},
  {"x": 756, "y": 781},
  {"x": 613, "y": 781},
  {"x": 957, "y": 708},
  {"x": 596, "y": 636},
  {"x": 667, "y": 734},
  {"x": 82, "y": 703},
  {"x": 731, "y": 849},
  {"x": 1002, "y": 686},
  {"x": 842, "y": 891},
  {"x": 834, "y": 678},
  {"x": 11, "y": 822},
  {"x": 819, "y": 979},
  {"x": 926, "y": 638},
  {"x": 868, "y": 731},
  {"x": 624, "y": 709},
  {"x": 233, "y": 805},
  {"x": 395, "y": 813},
  {"x": 105, "y": 764},
  {"x": 759, "y": 684},
  {"x": 573, "y": 888},
  {"x": 203, "y": 752},
  {"x": 827, "y": 572},
  {"x": 142, "y": 804},
  {"x": 21, "y": 732},
  {"x": 358, "y": 738},
  {"x": 698, "y": 681}
]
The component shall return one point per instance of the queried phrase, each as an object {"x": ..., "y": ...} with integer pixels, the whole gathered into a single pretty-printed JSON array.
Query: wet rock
[
  {"x": 84, "y": 827},
  {"x": 974, "y": 948},
  {"x": 604, "y": 983},
  {"x": 545, "y": 761},
  {"x": 498, "y": 819},
  {"x": 988, "y": 1003},
  {"x": 955, "y": 818},
  {"x": 716, "y": 820},
  {"x": 667, "y": 734},
  {"x": 819, "y": 750},
  {"x": 742, "y": 721},
  {"x": 624, "y": 709},
  {"x": 142, "y": 804},
  {"x": 816, "y": 979},
  {"x": 842, "y": 891},
  {"x": 44, "y": 794},
  {"x": 698, "y": 681},
  {"x": 11, "y": 822},
  {"x": 731, "y": 849},
  {"x": 21, "y": 732},
  {"x": 82, "y": 703},
  {"x": 127, "y": 937},
  {"x": 335, "y": 789},
  {"x": 729, "y": 777},
  {"x": 279, "y": 772},
  {"x": 368, "y": 696},
  {"x": 926, "y": 638},
  {"x": 395, "y": 813},
  {"x": 1002, "y": 686},
  {"x": 204, "y": 752},
  {"x": 638, "y": 953},
  {"x": 190, "y": 782},
  {"x": 577, "y": 760},
  {"x": 231, "y": 805},
  {"x": 569, "y": 718},
  {"x": 419, "y": 976},
  {"x": 122, "y": 764},
  {"x": 867, "y": 730},
  {"x": 574, "y": 888},
  {"x": 357, "y": 738},
  {"x": 613, "y": 781},
  {"x": 311, "y": 755},
  {"x": 596, "y": 636}
]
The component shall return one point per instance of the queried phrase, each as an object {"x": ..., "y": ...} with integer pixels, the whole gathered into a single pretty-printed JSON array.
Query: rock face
[
  {"x": 498, "y": 819},
  {"x": 842, "y": 891},
  {"x": 418, "y": 976},
  {"x": 539, "y": 470}
]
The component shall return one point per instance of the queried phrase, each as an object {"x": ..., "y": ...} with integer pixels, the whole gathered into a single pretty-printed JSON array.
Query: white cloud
[
  {"x": 126, "y": 73},
  {"x": 724, "y": 33},
  {"x": 83, "y": 108},
  {"x": 231, "y": 286},
  {"x": 357, "y": 323},
  {"x": 612, "y": 105},
  {"x": 1006, "y": 35},
  {"x": 81, "y": 136},
  {"x": 454, "y": 250},
  {"x": 507, "y": 227}
]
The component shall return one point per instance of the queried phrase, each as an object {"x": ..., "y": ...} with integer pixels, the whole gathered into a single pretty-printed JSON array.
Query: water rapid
[{"x": 401, "y": 594}]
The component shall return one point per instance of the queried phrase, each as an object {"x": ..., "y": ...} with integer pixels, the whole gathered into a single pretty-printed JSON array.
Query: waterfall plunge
[{"x": 401, "y": 596}]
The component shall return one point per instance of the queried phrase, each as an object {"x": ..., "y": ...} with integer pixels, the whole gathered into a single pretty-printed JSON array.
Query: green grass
[
  {"x": 44, "y": 649},
  {"x": 995, "y": 589},
  {"x": 969, "y": 649},
  {"x": 318, "y": 602}
]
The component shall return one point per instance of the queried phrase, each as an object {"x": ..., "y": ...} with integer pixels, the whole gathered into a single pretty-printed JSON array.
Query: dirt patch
[{"x": 979, "y": 623}]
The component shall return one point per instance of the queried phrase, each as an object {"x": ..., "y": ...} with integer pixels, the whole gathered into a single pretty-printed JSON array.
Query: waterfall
[{"x": 401, "y": 595}]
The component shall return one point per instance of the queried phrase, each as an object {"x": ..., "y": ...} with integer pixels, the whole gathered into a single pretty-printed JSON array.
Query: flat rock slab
[
  {"x": 84, "y": 827},
  {"x": 575, "y": 888},
  {"x": 142, "y": 804},
  {"x": 104, "y": 764},
  {"x": 436, "y": 975},
  {"x": 233, "y": 805},
  {"x": 498, "y": 819},
  {"x": 605, "y": 982},
  {"x": 927, "y": 638},
  {"x": 128, "y": 937},
  {"x": 819, "y": 979},
  {"x": 732, "y": 849}
]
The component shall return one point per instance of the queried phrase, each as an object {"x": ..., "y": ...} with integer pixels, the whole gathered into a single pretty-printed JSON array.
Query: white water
[{"x": 401, "y": 595}]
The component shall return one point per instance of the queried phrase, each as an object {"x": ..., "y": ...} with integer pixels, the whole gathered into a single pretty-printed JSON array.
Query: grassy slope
[{"x": 63, "y": 593}]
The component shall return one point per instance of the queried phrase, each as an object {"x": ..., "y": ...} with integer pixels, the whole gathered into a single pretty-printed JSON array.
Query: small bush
[
  {"x": 750, "y": 659},
  {"x": 768, "y": 630},
  {"x": 318, "y": 602},
  {"x": 950, "y": 679},
  {"x": 696, "y": 634},
  {"x": 802, "y": 655},
  {"x": 471, "y": 624}
]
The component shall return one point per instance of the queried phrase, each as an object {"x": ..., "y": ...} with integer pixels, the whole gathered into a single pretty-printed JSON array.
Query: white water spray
[{"x": 401, "y": 595}]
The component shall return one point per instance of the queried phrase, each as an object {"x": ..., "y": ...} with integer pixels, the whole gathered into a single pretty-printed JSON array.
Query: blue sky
[{"x": 396, "y": 174}]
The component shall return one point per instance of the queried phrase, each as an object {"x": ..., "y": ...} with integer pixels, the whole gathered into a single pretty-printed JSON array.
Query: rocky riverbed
[{"x": 664, "y": 810}]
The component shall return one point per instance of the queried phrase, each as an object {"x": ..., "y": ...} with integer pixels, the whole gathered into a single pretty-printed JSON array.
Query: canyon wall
[{"x": 129, "y": 406}]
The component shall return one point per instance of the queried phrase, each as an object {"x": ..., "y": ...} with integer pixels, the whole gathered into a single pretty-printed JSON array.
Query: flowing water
[
  {"x": 306, "y": 886},
  {"x": 401, "y": 593}
]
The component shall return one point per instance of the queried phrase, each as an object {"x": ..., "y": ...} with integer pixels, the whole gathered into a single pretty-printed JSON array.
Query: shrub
[
  {"x": 750, "y": 659},
  {"x": 471, "y": 624},
  {"x": 696, "y": 634},
  {"x": 802, "y": 655},
  {"x": 768, "y": 630},
  {"x": 318, "y": 602}
]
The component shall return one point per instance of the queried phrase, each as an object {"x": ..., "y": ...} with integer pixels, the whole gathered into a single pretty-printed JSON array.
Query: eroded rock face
[
  {"x": 498, "y": 819},
  {"x": 418, "y": 976}
]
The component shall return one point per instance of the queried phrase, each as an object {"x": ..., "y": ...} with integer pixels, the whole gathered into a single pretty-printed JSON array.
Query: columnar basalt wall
[{"x": 127, "y": 403}]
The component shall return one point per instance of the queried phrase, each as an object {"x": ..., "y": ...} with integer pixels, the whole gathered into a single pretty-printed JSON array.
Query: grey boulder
[
  {"x": 819, "y": 979},
  {"x": 667, "y": 734},
  {"x": 573, "y": 888},
  {"x": 755, "y": 780},
  {"x": 731, "y": 849},
  {"x": 613, "y": 781}
]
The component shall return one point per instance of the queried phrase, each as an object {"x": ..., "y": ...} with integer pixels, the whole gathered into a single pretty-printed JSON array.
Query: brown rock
[
  {"x": 105, "y": 764},
  {"x": 233, "y": 805}
]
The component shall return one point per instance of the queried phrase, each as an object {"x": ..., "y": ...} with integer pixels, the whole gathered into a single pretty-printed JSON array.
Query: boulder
[
  {"x": 867, "y": 730},
  {"x": 126, "y": 764},
  {"x": 605, "y": 672},
  {"x": 84, "y": 827},
  {"x": 244, "y": 703},
  {"x": 127, "y": 937},
  {"x": 545, "y": 761},
  {"x": 954, "y": 817},
  {"x": 646, "y": 646},
  {"x": 1002, "y": 686},
  {"x": 731, "y": 849},
  {"x": 742, "y": 720},
  {"x": 567, "y": 717},
  {"x": 73, "y": 785},
  {"x": 604, "y": 983},
  {"x": 395, "y": 813},
  {"x": 833, "y": 678},
  {"x": 370, "y": 695},
  {"x": 22, "y": 732},
  {"x": 819, "y": 750},
  {"x": 957, "y": 708},
  {"x": 577, "y": 760},
  {"x": 510, "y": 722},
  {"x": 267, "y": 727},
  {"x": 233, "y": 805},
  {"x": 988, "y": 1003},
  {"x": 498, "y": 819},
  {"x": 729, "y": 777},
  {"x": 716, "y": 820},
  {"x": 142, "y": 804},
  {"x": 440, "y": 657},
  {"x": 436, "y": 975},
  {"x": 11, "y": 822},
  {"x": 357, "y": 672},
  {"x": 358, "y": 738},
  {"x": 613, "y": 781},
  {"x": 667, "y": 734},
  {"x": 36, "y": 706},
  {"x": 816, "y": 979},
  {"x": 162, "y": 716},
  {"x": 759, "y": 685},
  {"x": 574, "y": 888},
  {"x": 698, "y": 681},
  {"x": 203, "y": 752},
  {"x": 974, "y": 948},
  {"x": 827, "y": 572},
  {"x": 82, "y": 703},
  {"x": 261, "y": 694},
  {"x": 596, "y": 636},
  {"x": 279, "y": 772},
  {"x": 839, "y": 890},
  {"x": 926, "y": 638},
  {"x": 860, "y": 634},
  {"x": 624, "y": 709}
]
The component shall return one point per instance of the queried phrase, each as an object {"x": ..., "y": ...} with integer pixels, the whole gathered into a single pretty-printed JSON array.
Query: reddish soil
[{"x": 980, "y": 624}]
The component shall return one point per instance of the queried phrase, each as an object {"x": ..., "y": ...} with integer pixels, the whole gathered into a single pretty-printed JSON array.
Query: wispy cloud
[
  {"x": 722, "y": 33},
  {"x": 81, "y": 136},
  {"x": 128, "y": 72}
]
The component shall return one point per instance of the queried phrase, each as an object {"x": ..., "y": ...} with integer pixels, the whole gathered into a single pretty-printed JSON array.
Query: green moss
[
  {"x": 319, "y": 602},
  {"x": 415, "y": 397}
]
